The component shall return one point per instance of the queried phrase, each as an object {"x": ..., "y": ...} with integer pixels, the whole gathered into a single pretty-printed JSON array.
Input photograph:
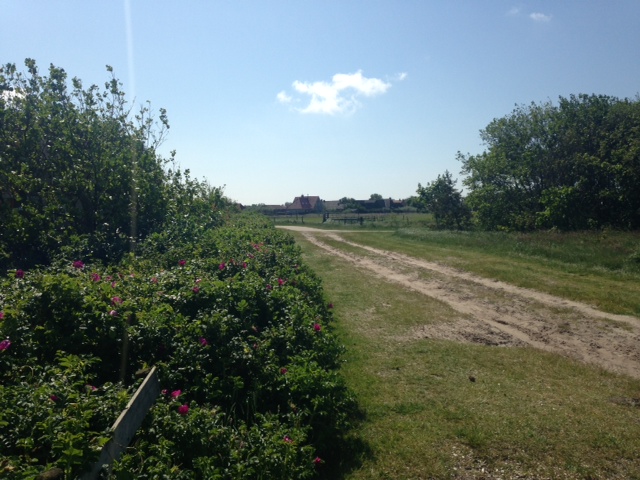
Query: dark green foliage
[
  {"x": 220, "y": 302},
  {"x": 79, "y": 170},
  {"x": 575, "y": 165},
  {"x": 445, "y": 202},
  {"x": 238, "y": 327}
]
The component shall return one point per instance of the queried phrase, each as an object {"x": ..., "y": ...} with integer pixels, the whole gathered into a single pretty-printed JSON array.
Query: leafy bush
[{"x": 235, "y": 322}]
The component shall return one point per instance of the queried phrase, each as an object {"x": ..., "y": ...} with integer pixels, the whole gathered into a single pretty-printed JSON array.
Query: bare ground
[{"x": 501, "y": 314}]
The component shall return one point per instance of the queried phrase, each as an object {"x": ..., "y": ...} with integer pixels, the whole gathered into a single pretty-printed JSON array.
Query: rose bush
[{"x": 236, "y": 324}]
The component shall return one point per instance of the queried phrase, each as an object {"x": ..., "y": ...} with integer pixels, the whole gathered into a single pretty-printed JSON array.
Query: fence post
[{"x": 127, "y": 423}]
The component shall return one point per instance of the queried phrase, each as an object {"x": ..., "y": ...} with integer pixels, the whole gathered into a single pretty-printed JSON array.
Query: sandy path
[{"x": 498, "y": 313}]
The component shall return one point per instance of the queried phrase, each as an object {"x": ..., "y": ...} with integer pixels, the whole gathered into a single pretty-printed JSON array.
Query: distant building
[{"x": 306, "y": 204}]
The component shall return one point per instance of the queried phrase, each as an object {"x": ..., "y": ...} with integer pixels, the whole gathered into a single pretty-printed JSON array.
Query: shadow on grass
[{"x": 348, "y": 453}]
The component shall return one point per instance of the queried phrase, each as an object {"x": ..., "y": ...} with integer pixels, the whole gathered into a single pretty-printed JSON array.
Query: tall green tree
[
  {"x": 445, "y": 202},
  {"x": 571, "y": 166},
  {"x": 79, "y": 168}
]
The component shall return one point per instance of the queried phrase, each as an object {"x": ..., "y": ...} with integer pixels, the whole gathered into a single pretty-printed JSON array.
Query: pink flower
[
  {"x": 113, "y": 284},
  {"x": 198, "y": 280},
  {"x": 330, "y": 305},
  {"x": 317, "y": 327},
  {"x": 164, "y": 391},
  {"x": 280, "y": 282},
  {"x": 203, "y": 341},
  {"x": 318, "y": 461},
  {"x": 176, "y": 393},
  {"x": 78, "y": 264},
  {"x": 283, "y": 371},
  {"x": 287, "y": 439},
  {"x": 95, "y": 277},
  {"x": 19, "y": 273},
  {"x": 91, "y": 388},
  {"x": 154, "y": 280},
  {"x": 222, "y": 266},
  {"x": 244, "y": 265},
  {"x": 116, "y": 301},
  {"x": 183, "y": 409},
  {"x": 5, "y": 344},
  {"x": 113, "y": 313},
  {"x": 196, "y": 289},
  {"x": 182, "y": 263},
  {"x": 54, "y": 398},
  {"x": 269, "y": 287},
  {"x": 1, "y": 315}
]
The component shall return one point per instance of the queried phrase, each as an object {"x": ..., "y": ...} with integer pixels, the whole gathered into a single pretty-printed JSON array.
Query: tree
[
  {"x": 349, "y": 203},
  {"x": 575, "y": 165},
  {"x": 78, "y": 168},
  {"x": 441, "y": 198},
  {"x": 375, "y": 197}
]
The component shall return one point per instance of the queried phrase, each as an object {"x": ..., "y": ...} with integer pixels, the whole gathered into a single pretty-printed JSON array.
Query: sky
[{"x": 272, "y": 99}]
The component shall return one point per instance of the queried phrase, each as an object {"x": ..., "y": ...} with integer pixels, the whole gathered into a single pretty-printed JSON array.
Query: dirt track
[{"x": 500, "y": 314}]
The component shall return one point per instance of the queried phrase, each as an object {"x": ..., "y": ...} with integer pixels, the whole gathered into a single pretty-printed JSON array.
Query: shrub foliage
[{"x": 219, "y": 301}]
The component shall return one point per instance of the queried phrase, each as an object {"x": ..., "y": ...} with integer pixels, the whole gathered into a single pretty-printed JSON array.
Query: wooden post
[{"x": 127, "y": 423}]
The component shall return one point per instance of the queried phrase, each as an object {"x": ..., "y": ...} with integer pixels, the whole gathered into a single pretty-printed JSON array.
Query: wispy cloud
[
  {"x": 514, "y": 11},
  {"x": 539, "y": 17},
  {"x": 283, "y": 97},
  {"x": 341, "y": 95}
]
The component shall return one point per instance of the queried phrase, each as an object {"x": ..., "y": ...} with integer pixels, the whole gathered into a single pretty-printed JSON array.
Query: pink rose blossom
[
  {"x": 182, "y": 263},
  {"x": 54, "y": 398},
  {"x": 1, "y": 315},
  {"x": 19, "y": 273},
  {"x": 318, "y": 461},
  {"x": 196, "y": 289},
  {"x": 5, "y": 344},
  {"x": 222, "y": 266},
  {"x": 183, "y": 409},
  {"x": 280, "y": 282},
  {"x": 113, "y": 313},
  {"x": 176, "y": 393},
  {"x": 283, "y": 371},
  {"x": 203, "y": 341},
  {"x": 116, "y": 301},
  {"x": 154, "y": 280},
  {"x": 78, "y": 264},
  {"x": 287, "y": 439},
  {"x": 95, "y": 277},
  {"x": 317, "y": 327}
]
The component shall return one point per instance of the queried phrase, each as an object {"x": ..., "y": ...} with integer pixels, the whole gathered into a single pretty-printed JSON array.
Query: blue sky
[{"x": 274, "y": 99}]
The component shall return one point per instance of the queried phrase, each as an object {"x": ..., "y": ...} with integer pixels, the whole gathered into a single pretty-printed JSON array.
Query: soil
[{"x": 495, "y": 313}]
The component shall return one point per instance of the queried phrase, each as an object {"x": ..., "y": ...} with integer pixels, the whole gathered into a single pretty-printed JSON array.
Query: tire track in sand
[{"x": 498, "y": 313}]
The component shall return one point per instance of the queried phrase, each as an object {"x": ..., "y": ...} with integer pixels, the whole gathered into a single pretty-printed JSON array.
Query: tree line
[
  {"x": 80, "y": 172},
  {"x": 573, "y": 165}
]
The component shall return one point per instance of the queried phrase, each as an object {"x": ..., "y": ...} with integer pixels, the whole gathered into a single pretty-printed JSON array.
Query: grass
[
  {"x": 528, "y": 414},
  {"x": 601, "y": 269}
]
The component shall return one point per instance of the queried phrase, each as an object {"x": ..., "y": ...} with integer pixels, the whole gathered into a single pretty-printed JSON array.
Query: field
[
  {"x": 493, "y": 356},
  {"x": 370, "y": 221}
]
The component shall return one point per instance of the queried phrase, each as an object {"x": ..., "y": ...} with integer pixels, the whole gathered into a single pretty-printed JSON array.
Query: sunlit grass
[
  {"x": 595, "y": 268},
  {"x": 527, "y": 413}
]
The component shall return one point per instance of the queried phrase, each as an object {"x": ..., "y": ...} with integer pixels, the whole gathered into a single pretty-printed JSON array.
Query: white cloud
[
  {"x": 283, "y": 97},
  {"x": 340, "y": 95},
  {"x": 539, "y": 17},
  {"x": 514, "y": 11}
]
